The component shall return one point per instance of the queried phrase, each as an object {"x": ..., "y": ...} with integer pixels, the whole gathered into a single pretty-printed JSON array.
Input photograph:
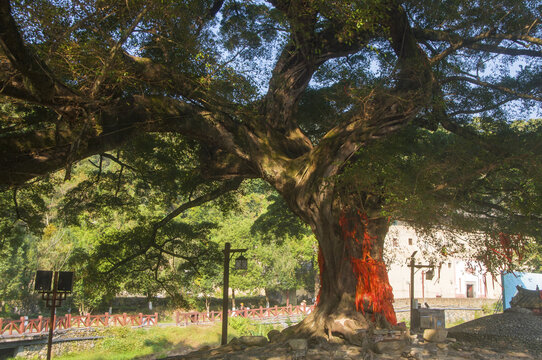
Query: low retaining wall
[
  {"x": 447, "y": 302},
  {"x": 456, "y": 309},
  {"x": 63, "y": 343},
  {"x": 452, "y": 316}
]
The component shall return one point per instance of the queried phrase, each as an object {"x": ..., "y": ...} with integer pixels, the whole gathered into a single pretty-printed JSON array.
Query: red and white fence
[
  {"x": 260, "y": 313},
  {"x": 41, "y": 324}
]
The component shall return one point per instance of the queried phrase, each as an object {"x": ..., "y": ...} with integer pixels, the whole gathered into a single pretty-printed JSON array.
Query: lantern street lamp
[
  {"x": 414, "y": 319},
  {"x": 62, "y": 282},
  {"x": 240, "y": 264}
]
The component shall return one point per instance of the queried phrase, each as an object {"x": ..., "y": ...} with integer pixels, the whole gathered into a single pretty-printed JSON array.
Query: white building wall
[{"x": 453, "y": 279}]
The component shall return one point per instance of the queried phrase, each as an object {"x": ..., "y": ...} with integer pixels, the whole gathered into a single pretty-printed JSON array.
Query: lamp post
[
  {"x": 62, "y": 282},
  {"x": 414, "y": 324},
  {"x": 240, "y": 264}
]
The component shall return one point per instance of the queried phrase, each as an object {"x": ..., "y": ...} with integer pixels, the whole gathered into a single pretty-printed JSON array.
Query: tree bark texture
[{"x": 354, "y": 294}]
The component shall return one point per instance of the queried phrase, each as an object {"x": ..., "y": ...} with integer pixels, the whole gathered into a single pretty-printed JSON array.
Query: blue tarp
[{"x": 511, "y": 280}]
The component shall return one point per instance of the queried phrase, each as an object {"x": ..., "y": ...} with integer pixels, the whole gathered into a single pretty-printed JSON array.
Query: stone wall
[
  {"x": 62, "y": 344},
  {"x": 456, "y": 309},
  {"x": 447, "y": 302}
]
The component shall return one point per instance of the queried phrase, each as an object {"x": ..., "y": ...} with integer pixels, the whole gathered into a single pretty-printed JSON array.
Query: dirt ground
[{"x": 515, "y": 335}]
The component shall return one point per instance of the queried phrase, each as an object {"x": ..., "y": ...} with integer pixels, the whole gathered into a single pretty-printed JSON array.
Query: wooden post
[
  {"x": 1, "y": 326},
  {"x": 21, "y": 326},
  {"x": 226, "y": 285},
  {"x": 40, "y": 324},
  {"x": 141, "y": 319},
  {"x": 52, "y": 321},
  {"x": 155, "y": 319},
  {"x": 412, "y": 266}
]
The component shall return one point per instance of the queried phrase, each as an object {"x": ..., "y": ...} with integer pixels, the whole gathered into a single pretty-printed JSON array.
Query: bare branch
[
  {"x": 118, "y": 161},
  {"x": 483, "y": 109},
  {"x": 226, "y": 187},
  {"x": 39, "y": 152},
  {"x": 474, "y": 43},
  {"x": 492, "y": 86},
  {"x": 505, "y": 51},
  {"x": 20, "y": 57},
  {"x": 114, "y": 51},
  {"x": 45, "y": 86},
  {"x": 209, "y": 14}
]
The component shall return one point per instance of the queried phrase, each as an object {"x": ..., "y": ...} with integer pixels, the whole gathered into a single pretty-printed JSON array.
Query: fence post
[
  {"x": 40, "y": 324},
  {"x": 123, "y": 319},
  {"x": 87, "y": 320},
  {"x": 1, "y": 326},
  {"x": 106, "y": 321},
  {"x": 21, "y": 327},
  {"x": 155, "y": 319},
  {"x": 68, "y": 321}
]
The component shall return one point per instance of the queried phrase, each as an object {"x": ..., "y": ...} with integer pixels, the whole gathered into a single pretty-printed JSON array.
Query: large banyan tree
[{"x": 354, "y": 111}]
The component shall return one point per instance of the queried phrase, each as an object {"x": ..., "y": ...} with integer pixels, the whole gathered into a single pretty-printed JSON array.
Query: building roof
[{"x": 529, "y": 299}]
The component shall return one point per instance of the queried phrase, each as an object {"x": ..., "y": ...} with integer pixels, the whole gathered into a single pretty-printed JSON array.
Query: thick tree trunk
[{"x": 355, "y": 295}]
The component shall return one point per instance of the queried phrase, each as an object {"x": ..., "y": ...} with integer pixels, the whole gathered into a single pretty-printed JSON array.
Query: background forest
[{"x": 83, "y": 225}]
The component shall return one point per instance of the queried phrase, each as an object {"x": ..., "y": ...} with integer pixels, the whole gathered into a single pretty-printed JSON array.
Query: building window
[{"x": 409, "y": 241}]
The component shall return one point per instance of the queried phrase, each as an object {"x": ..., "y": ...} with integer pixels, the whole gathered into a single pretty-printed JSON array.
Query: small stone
[
  {"x": 435, "y": 335},
  {"x": 442, "y": 346},
  {"x": 415, "y": 354},
  {"x": 391, "y": 346},
  {"x": 453, "y": 340},
  {"x": 272, "y": 335},
  {"x": 298, "y": 344},
  {"x": 354, "y": 351},
  {"x": 381, "y": 332},
  {"x": 253, "y": 340},
  {"x": 222, "y": 350}
]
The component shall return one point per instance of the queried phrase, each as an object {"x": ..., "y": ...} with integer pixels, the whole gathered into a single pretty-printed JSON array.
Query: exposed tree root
[{"x": 338, "y": 324}]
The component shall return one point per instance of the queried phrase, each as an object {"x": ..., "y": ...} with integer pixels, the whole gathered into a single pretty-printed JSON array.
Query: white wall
[{"x": 454, "y": 277}]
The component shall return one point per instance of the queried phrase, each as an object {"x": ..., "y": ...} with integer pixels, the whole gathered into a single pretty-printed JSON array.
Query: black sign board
[
  {"x": 65, "y": 281},
  {"x": 43, "y": 280}
]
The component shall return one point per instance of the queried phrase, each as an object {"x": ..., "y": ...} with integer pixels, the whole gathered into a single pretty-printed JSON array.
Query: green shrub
[
  {"x": 241, "y": 325},
  {"x": 247, "y": 327}
]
